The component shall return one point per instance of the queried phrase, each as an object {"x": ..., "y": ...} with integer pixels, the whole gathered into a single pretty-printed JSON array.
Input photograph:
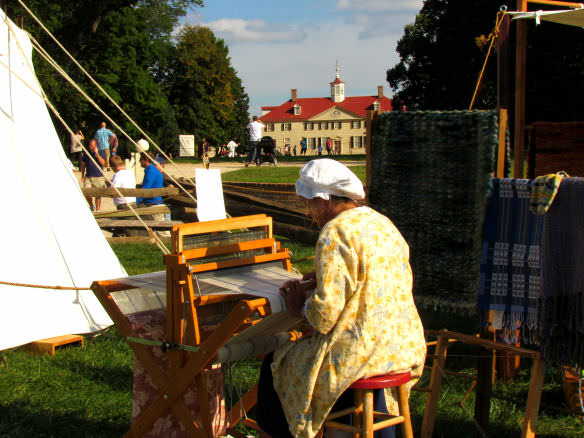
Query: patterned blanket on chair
[{"x": 510, "y": 279}]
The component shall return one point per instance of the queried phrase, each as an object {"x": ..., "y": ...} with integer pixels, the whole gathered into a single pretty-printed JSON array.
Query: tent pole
[{"x": 520, "y": 77}]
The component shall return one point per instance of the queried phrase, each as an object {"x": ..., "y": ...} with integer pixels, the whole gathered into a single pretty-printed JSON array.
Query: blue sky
[{"x": 279, "y": 45}]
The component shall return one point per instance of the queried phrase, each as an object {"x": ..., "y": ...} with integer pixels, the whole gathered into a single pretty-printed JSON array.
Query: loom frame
[{"x": 183, "y": 301}]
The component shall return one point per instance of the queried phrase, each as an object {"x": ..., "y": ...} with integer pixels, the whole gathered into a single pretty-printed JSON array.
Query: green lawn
[
  {"x": 271, "y": 174},
  {"x": 86, "y": 392}
]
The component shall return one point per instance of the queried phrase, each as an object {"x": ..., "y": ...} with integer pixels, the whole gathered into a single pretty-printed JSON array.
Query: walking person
[
  {"x": 92, "y": 173},
  {"x": 303, "y": 146},
  {"x": 255, "y": 129},
  {"x": 103, "y": 137},
  {"x": 76, "y": 147}
]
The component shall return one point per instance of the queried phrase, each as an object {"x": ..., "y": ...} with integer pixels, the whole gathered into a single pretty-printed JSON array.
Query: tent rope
[
  {"x": 40, "y": 286},
  {"x": 157, "y": 240},
  {"x": 492, "y": 38},
  {"x": 104, "y": 92}
]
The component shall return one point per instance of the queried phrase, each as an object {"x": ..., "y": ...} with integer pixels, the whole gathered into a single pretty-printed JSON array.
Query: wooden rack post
[{"x": 371, "y": 114}]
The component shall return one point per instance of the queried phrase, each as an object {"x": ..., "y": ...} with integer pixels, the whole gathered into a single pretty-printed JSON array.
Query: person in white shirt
[
  {"x": 123, "y": 179},
  {"x": 231, "y": 146},
  {"x": 255, "y": 129},
  {"x": 76, "y": 147}
]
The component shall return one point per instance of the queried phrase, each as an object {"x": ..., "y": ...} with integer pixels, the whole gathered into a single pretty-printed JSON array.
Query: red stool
[{"x": 364, "y": 418}]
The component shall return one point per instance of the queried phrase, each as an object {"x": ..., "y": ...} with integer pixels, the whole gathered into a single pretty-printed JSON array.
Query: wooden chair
[{"x": 365, "y": 415}]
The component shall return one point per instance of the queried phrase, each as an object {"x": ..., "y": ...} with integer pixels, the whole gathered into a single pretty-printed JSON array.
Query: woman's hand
[
  {"x": 311, "y": 276},
  {"x": 294, "y": 295}
]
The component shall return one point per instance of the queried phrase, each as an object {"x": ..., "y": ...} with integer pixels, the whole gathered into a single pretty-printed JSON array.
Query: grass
[
  {"x": 86, "y": 392},
  {"x": 271, "y": 174}
]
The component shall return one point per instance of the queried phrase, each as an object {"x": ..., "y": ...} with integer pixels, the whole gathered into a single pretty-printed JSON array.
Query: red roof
[
  {"x": 313, "y": 106},
  {"x": 337, "y": 81}
]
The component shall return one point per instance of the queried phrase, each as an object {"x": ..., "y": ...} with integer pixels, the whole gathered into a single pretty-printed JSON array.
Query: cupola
[{"x": 337, "y": 89}]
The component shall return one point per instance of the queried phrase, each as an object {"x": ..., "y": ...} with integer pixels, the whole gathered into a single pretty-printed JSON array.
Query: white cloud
[
  {"x": 270, "y": 71},
  {"x": 378, "y": 5},
  {"x": 379, "y": 25},
  {"x": 238, "y": 31}
]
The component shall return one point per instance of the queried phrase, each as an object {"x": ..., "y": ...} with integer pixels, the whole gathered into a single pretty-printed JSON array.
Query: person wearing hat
[{"x": 362, "y": 310}]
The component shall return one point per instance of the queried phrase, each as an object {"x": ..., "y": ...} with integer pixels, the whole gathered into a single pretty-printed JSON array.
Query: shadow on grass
[
  {"x": 118, "y": 378},
  {"x": 22, "y": 420}
]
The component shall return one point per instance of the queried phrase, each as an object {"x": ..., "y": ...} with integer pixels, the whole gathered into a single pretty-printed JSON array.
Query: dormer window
[
  {"x": 296, "y": 109},
  {"x": 376, "y": 105}
]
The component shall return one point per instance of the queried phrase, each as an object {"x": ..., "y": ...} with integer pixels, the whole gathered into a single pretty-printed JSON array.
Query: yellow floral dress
[{"x": 365, "y": 319}]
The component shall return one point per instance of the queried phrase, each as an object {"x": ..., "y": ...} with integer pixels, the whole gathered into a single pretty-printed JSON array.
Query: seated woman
[{"x": 362, "y": 309}]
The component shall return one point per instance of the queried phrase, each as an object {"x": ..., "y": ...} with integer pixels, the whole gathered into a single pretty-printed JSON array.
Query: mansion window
[
  {"x": 337, "y": 125},
  {"x": 286, "y": 126},
  {"x": 296, "y": 110},
  {"x": 323, "y": 125},
  {"x": 356, "y": 142},
  {"x": 376, "y": 105},
  {"x": 311, "y": 142},
  {"x": 270, "y": 127},
  {"x": 308, "y": 126},
  {"x": 356, "y": 124}
]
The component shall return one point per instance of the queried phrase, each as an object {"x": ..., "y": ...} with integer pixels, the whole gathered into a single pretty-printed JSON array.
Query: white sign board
[
  {"x": 210, "y": 203},
  {"x": 186, "y": 145}
]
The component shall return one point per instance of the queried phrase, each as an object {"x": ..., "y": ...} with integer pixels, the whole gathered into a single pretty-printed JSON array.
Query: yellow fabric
[
  {"x": 544, "y": 190},
  {"x": 364, "y": 316}
]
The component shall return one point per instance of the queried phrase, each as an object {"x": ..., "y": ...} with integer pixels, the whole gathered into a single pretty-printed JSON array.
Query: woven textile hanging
[
  {"x": 510, "y": 282},
  {"x": 561, "y": 308},
  {"x": 430, "y": 176}
]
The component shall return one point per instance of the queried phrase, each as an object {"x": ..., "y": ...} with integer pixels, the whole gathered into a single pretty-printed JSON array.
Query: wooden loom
[{"x": 202, "y": 316}]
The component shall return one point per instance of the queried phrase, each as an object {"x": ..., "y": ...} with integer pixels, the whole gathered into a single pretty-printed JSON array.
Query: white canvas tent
[
  {"x": 569, "y": 17},
  {"x": 48, "y": 234}
]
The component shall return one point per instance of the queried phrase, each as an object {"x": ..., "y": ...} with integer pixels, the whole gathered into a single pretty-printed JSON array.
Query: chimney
[
  {"x": 379, "y": 91},
  {"x": 294, "y": 97}
]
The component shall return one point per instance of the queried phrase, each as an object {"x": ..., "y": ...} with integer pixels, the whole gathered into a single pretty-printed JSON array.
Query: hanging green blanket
[
  {"x": 510, "y": 282},
  {"x": 430, "y": 173},
  {"x": 561, "y": 309}
]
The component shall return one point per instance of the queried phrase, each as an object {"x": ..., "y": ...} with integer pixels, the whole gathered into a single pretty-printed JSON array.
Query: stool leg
[
  {"x": 358, "y": 398},
  {"x": 368, "y": 414},
  {"x": 404, "y": 411}
]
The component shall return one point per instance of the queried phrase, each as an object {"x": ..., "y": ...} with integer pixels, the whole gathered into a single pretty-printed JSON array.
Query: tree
[
  {"x": 204, "y": 89},
  {"x": 123, "y": 44},
  {"x": 440, "y": 60},
  {"x": 441, "y": 54}
]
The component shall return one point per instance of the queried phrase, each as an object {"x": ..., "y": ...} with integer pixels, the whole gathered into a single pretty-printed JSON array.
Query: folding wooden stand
[
  {"x": 192, "y": 343},
  {"x": 439, "y": 370}
]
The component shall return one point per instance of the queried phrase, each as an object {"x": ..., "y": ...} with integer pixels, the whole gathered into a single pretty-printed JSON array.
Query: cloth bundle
[
  {"x": 543, "y": 191},
  {"x": 561, "y": 306},
  {"x": 510, "y": 280},
  {"x": 431, "y": 175}
]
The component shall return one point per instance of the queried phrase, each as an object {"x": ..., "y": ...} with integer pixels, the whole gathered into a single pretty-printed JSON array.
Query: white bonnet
[{"x": 325, "y": 177}]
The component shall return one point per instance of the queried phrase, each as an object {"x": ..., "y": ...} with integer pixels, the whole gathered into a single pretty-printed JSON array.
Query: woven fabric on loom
[
  {"x": 510, "y": 282},
  {"x": 430, "y": 175},
  {"x": 561, "y": 309}
]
